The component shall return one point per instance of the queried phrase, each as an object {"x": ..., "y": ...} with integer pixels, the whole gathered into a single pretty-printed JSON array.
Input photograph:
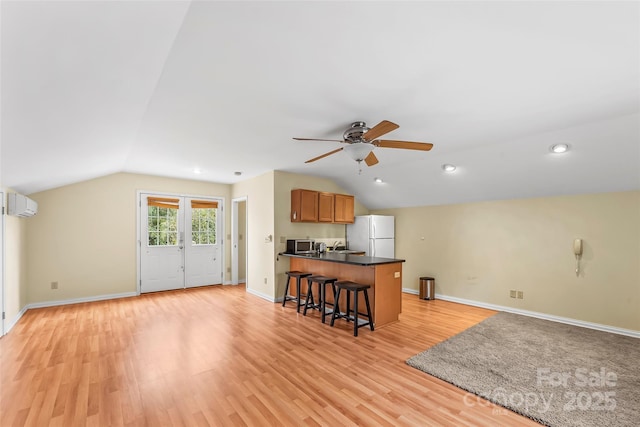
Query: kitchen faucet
[{"x": 336, "y": 243}]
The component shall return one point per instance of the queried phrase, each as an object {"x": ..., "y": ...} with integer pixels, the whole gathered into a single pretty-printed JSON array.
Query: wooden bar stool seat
[
  {"x": 298, "y": 275},
  {"x": 322, "y": 282},
  {"x": 349, "y": 288}
]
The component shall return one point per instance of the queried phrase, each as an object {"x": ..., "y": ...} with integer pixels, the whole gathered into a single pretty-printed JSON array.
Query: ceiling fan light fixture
[
  {"x": 559, "y": 148},
  {"x": 358, "y": 151}
]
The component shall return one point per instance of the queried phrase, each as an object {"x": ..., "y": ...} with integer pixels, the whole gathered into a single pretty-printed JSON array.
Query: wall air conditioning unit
[{"x": 23, "y": 206}]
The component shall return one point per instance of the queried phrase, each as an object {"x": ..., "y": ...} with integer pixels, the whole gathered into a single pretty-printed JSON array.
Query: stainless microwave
[{"x": 300, "y": 246}]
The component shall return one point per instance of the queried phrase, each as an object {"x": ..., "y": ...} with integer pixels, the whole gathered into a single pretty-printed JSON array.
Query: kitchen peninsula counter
[
  {"x": 345, "y": 258},
  {"x": 383, "y": 274}
]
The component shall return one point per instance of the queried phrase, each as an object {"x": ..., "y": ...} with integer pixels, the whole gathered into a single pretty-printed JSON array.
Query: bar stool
[
  {"x": 351, "y": 287},
  {"x": 322, "y": 282},
  {"x": 298, "y": 276}
]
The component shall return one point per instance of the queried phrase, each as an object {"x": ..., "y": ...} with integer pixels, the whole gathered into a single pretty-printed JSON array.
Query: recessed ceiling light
[
  {"x": 560, "y": 148},
  {"x": 448, "y": 168},
  {"x": 197, "y": 171},
  {"x": 238, "y": 173},
  {"x": 378, "y": 180}
]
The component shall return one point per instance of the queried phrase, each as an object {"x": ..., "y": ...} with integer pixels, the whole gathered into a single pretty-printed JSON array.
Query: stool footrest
[{"x": 351, "y": 318}]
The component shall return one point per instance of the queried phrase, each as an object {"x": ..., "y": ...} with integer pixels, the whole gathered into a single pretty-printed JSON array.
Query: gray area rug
[{"x": 555, "y": 374}]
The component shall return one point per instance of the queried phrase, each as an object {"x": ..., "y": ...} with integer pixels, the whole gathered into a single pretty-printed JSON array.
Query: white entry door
[
  {"x": 180, "y": 244},
  {"x": 203, "y": 249}
]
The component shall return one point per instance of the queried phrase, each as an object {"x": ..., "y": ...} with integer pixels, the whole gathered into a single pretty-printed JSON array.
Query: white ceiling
[{"x": 92, "y": 88}]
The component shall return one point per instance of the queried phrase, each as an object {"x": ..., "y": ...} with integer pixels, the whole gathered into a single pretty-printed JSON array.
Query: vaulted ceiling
[{"x": 163, "y": 88}]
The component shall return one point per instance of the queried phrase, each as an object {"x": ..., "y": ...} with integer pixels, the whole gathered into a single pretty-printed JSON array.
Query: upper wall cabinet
[
  {"x": 325, "y": 207},
  {"x": 304, "y": 205},
  {"x": 344, "y": 209},
  {"x": 317, "y": 206}
]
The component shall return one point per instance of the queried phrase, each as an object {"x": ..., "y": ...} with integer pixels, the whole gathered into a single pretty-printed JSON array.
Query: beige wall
[
  {"x": 479, "y": 251},
  {"x": 15, "y": 268},
  {"x": 84, "y": 236},
  {"x": 284, "y": 228},
  {"x": 260, "y": 253}
]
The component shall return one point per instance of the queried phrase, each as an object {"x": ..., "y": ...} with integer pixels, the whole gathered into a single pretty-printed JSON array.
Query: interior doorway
[
  {"x": 180, "y": 241},
  {"x": 239, "y": 240}
]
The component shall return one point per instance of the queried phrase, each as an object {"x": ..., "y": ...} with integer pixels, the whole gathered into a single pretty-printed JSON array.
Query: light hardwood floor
[{"x": 219, "y": 356}]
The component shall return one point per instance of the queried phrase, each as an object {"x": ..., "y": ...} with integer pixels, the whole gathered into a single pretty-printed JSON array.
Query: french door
[{"x": 180, "y": 242}]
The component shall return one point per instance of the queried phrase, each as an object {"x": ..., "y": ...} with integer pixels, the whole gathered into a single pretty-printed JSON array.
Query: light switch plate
[{"x": 396, "y": 274}]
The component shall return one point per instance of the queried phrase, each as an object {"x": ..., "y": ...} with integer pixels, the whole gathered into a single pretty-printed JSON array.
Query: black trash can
[{"x": 427, "y": 288}]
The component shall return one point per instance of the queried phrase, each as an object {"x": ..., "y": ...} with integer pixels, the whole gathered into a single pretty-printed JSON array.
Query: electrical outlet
[
  {"x": 283, "y": 239},
  {"x": 396, "y": 274},
  {"x": 54, "y": 285},
  {"x": 520, "y": 295},
  {"x": 512, "y": 293}
]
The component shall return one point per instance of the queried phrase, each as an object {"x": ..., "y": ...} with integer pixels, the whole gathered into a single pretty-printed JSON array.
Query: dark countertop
[{"x": 345, "y": 258}]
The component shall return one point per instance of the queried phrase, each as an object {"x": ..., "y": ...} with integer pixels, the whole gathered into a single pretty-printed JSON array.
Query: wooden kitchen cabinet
[
  {"x": 304, "y": 205},
  {"x": 343, "y": 209},
  {"x": 325, "y": 207},
  {"x": 318, "y": 206}
]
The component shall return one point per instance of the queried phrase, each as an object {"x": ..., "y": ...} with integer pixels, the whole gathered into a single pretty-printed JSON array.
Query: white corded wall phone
[{"x": 577, "y": 250}]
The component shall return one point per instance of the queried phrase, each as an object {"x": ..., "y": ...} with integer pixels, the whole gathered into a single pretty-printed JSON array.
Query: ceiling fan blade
[
  {"x": 380, "y": 129},
  {"x": 408, "y": 145},
  {"x": 323, "y": 156},
  {"x": 313, "y": 139},
  {"x": 371, "y": 159}
]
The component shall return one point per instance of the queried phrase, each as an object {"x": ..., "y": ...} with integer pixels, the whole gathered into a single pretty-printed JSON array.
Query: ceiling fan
[{"x": 361, "y": 141}]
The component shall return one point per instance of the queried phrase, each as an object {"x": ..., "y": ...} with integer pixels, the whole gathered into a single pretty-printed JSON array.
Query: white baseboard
[
  {"x": 263, "y": 296},
  {"x": 410, "y": 291},
  {"x": 80, "y": 300},
  {"x": 544, "y": 316},
  {"x": 15, "y": 320}
]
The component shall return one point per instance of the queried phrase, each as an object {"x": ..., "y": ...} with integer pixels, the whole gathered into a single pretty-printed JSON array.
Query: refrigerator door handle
[{"x": 373, "y": 247}]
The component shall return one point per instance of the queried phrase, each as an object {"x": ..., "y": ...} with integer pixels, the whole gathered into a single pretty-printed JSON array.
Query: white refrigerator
[{"x": 373, "y": 234}]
